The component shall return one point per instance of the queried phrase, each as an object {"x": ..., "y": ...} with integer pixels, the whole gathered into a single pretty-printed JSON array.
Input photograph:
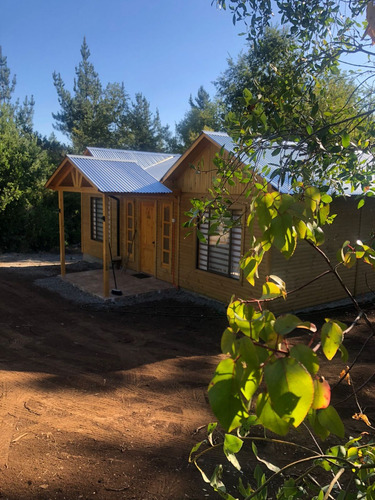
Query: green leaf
[
  {"x": 215, "y": 481},
  {"x": 329, "y": 419},
  {"x": 321, "y": 431},
  {"x": 306, "y": 356},
  {"x": 289, "y": 322},
  {"x": 210, "y": 430},
  {"x": 284, "y": 234},
  {"x": 361, "y": 203},
  {"x": 290, "y": 388},
  {"x": 270, "y": 291},
  {"x": 232, "y": 445},
  {"x": 331, "y": 337},
  {"x": 250, "y": 375},
  {"x": 201, "y": 236},
  {"x": 269, "y": 418},
  {"x": 223, "y": 394},
  {"x": 227, "y": 340},
  {"x": 244, "y": 317},
  {"x": 344, "y": 353},
  {"x": 312, "y": 198},
  {"x": 195, "y": 448},
  {"x": 345, "y": 140}
]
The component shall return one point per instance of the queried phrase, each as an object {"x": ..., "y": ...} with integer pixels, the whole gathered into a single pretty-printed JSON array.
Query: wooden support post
[
  {"x": 62, "y": 233},
  {"x": 105, "y": 247}
]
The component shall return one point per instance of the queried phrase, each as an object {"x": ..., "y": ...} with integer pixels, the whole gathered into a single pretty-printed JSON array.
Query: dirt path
[
  {"x": 96, "y": 403},
  {"x": 104, "y": 402}
]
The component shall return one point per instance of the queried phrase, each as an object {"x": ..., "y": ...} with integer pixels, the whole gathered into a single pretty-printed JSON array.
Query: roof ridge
[
  {"x": 161, "y": 161},
  {"x": 85, "y": 157},
  {"x": 132, "y": 151}
]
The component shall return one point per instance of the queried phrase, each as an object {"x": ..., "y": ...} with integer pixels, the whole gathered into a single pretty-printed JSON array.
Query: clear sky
[{"x": 165, "y": 49}]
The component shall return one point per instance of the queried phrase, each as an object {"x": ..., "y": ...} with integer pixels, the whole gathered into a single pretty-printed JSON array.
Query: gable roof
[
  {"x": 223, "y": 140},
  {"x": 117, "y": 176},
  {"x": 156, "y": 164},
  {"x": 262, "y": 159}
]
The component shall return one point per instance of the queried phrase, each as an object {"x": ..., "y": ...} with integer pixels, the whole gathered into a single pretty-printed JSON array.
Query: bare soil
[{"x": 101, "y": 402}]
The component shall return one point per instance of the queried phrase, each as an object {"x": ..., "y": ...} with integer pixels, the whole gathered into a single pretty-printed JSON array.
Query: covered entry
[{"x": 106, "y": 185}]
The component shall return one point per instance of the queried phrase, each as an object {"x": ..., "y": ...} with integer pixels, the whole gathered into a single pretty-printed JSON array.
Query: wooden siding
[
  {"x": 198, "y": 180},
  {"x": 208, "y": 283},
  {"x": 306, "y": 263},
  {"x": 350, "y": 223},
  {"x": 95, "y": 249}
]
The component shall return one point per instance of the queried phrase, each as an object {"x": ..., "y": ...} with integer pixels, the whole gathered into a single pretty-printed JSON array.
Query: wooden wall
[
  {"x": 187, "y": 183},
  {"x": 91, "y": 248},
  {"x": 350, "y": 224},
  {"x": 306, "y": 263}
]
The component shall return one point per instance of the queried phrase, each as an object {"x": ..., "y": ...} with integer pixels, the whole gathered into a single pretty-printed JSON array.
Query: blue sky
[{"x": 165, "y": 49}]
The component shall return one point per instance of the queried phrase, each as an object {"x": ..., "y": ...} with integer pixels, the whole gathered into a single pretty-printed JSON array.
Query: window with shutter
[
  {"x": 97, "y": 219},
  {"x": 221, "y": 252}
]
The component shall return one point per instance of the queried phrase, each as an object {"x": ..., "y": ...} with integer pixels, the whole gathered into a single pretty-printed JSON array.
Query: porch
[{"x": 130, "y": 283}]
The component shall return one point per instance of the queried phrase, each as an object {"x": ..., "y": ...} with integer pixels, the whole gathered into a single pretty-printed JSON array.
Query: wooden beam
[
  {"x": 105, "y": 247},
  {"x": 82, "y": 189},
  {"x": 62, "y": 232}
]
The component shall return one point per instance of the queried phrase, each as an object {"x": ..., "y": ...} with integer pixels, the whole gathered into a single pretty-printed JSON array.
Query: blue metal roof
[
  {"x": 117, "y": 176},
  {"x": 156, "y": 164}
]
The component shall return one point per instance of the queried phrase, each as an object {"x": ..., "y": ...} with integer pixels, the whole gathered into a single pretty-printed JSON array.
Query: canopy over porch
[{"x": 105, "y": 178}]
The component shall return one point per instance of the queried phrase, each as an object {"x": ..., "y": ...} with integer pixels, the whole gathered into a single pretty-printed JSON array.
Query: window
[
  {"x": 130, "y": 229},
  {"x": 97, "y": 219},
  {"x": 166, "y": 234},
  {"x": 222, "y": 252}
]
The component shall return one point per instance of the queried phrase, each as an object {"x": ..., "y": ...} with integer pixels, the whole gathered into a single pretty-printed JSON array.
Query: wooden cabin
[{"x": 133, "y": 206}]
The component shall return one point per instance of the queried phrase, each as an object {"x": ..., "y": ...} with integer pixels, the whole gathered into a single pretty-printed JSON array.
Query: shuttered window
[
  {"x": 97, "y": 219},
  {"x": 222, "y": 252}
]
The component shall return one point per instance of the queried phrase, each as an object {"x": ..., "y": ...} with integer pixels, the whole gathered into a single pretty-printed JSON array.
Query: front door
[{"x": 147, "y": 237}]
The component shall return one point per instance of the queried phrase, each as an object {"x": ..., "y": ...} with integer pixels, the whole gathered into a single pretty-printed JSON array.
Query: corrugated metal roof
[
  {"x": 117, "y": 176},
  {"x": 260, "y": 161},
  {"x": 265, "y": 158},
  {"x": 157, "y": 164}
]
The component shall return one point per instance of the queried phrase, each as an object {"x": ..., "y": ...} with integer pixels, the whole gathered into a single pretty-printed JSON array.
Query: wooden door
[{"x": 147, "y": 237}]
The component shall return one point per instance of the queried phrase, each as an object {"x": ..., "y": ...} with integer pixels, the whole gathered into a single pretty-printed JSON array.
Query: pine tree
[
  {"x": 204, "y": 114},
  {"x": 146, "y": 130},
  {"x": 95, "y": 116},
  {"x": 7, "y": 85}
]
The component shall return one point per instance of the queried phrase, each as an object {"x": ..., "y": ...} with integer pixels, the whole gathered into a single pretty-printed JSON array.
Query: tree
[
  {"x": 263, "y": 379},
  {"x": 325, "y": 34},
  {"x": 91, "y": 116},
  {"x": 27, "y": 216},
  {"x": 103, "y": 117},
  {"x": 258, "y": 68},
  {"x": 7, "y": 85},
  {"x": 146, "y": 131},
  {"x": 204, "y": 114}
]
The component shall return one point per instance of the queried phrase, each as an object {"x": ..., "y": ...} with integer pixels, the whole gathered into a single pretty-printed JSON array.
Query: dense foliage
[
  {"x": 316, "y": 141},
  {"x": 28, "y": 213}
]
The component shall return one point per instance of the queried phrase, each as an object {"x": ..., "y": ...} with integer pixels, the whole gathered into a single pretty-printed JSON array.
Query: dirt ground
[{"x": 101, "y": 402}]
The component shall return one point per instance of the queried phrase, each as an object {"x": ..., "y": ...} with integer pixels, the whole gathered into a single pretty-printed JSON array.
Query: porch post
[
  {"x": 62, "y": 232},
  {"x": 105, "y": 247}
]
